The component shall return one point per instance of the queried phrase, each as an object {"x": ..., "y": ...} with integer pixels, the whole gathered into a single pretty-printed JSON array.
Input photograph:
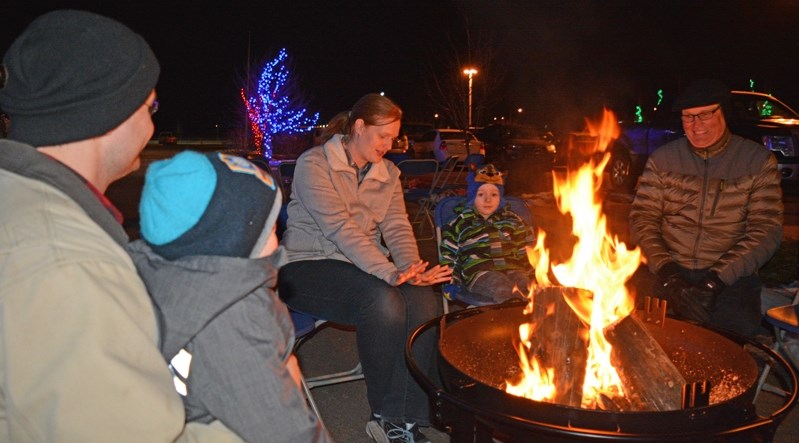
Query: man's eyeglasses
[
  {"x": 702, "y": 116},
  {"x": 153, "y": 108}
]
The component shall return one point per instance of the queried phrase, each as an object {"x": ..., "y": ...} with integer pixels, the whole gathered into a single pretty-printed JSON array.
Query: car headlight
[{"x": 780, "y": 143}]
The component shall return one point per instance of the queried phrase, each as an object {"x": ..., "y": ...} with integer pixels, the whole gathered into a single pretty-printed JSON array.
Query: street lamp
[{"x": 470, "y": 72}]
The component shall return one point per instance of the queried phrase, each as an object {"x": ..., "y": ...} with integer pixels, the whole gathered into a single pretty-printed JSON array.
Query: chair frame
[
  {"x": 444, "y": 213},
  {"x": 424, "y": 197},
  {"x": 779, "y": 347},
  {"x": 305, "y": 327}
]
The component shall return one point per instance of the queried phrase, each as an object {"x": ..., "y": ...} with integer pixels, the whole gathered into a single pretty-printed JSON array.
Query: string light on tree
[{"x": 272, "y": 110}]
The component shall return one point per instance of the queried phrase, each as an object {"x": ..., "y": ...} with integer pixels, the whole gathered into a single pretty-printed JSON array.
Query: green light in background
[
  {"x": 766, "y": 109},
  {"x": 660, "y": 96},
  {"x": 639, "y": 114},
  {"x": 751, "y": 85}
]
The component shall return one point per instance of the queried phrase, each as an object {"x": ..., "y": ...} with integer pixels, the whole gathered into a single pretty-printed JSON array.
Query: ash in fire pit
[{"x": 482, "y": 348}]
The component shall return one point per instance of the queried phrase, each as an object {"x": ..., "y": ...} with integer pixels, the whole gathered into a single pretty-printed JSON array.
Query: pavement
[{"x": 344, "y": 408}]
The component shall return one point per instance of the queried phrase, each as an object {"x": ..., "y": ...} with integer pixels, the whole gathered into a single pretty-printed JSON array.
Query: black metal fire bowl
[{"x": 466, "y": 403}]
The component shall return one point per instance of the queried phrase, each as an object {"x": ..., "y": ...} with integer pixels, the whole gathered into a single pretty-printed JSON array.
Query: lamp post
[{"x": 470, "y": 72}]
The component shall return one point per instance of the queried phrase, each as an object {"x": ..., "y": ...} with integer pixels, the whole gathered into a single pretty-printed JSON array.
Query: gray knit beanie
[{"x": 74, "y": 75}]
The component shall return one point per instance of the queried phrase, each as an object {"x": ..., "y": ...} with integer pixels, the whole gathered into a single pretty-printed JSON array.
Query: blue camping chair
[{"x": 443, "y": 214}]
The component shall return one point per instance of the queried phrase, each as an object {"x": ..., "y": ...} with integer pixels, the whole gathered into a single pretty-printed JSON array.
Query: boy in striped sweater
[{"x": 485, "y": 244}]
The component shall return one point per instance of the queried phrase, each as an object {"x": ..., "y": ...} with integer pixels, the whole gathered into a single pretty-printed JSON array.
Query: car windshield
[
  {"x": 758, "y": 107},
  {"x": 454, "y": 136}
]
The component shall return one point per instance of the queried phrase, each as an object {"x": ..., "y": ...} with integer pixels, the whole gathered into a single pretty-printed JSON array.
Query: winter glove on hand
[
  {"x": 689, "y": 305},
  {"x": 671, "y": 283},
  {"x": 698, "y": 301},
  {"x": 708, "y": 290}
]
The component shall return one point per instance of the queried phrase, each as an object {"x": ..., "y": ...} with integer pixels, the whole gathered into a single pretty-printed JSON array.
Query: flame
[
  {"x": 538, "y": 383},
  {"x": 599, "y": 263}
]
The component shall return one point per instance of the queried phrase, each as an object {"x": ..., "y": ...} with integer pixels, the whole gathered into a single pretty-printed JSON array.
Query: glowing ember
[{"x": 599, "y": 263}]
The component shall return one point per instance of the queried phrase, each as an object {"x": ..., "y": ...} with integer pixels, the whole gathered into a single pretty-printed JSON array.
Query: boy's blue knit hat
[
  {"x": 207, "y": 204},
  {"x": 485, "y": 174}
]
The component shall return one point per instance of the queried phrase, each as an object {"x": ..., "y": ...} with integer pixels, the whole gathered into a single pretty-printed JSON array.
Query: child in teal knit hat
[
  {"x": 486, "y": 243},
  {"x": 209, "y": 257}
]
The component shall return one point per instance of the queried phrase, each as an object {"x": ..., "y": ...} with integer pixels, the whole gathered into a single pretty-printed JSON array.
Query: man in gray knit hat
[
  {"x": 708, "y": 214},
  {"x": 80, "y": 358}
]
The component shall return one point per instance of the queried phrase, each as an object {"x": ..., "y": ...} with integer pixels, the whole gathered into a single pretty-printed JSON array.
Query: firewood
[
  {"x": 560, "y": 341},
  {"x": 651, "y": 380}
]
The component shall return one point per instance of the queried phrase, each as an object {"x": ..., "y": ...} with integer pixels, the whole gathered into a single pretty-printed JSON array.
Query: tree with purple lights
[{"x": 273, "y": 109}]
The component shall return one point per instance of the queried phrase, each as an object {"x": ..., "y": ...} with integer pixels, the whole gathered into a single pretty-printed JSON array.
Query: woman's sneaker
[{"x": 384, "y": 432}]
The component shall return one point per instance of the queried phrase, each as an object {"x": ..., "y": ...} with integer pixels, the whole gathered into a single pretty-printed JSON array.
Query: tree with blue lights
[{"x": 273, "y": 109}]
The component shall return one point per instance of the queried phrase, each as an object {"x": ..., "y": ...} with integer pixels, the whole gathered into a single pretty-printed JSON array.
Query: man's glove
[
  {"x": 671, "y": 282},
  {"x": 712, "y": 284},
  {"x": 698, "y": 301}
]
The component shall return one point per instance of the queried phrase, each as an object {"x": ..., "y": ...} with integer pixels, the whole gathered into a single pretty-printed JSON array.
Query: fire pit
[{"x": 477, "y": 356}]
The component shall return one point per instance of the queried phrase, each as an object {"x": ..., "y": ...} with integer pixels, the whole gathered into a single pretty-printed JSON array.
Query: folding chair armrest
[
  {"x": 451, "y": 291},
  {"x": 459, "y": 293}
]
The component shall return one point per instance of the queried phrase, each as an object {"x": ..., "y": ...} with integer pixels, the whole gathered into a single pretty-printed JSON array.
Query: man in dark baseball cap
[{"x": 80, "y": 358}]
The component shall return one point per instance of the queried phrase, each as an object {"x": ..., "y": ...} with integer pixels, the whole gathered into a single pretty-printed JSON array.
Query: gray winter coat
[
  {"x": 331, "y": 216},
  {"x": 223, "y": 312}
]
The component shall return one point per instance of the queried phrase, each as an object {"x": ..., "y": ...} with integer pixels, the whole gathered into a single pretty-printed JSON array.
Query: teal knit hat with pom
[{"x": 207, "y": 204}]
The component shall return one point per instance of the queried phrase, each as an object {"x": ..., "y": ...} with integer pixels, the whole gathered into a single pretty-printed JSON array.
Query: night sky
[{"x": 561, "y": 60}]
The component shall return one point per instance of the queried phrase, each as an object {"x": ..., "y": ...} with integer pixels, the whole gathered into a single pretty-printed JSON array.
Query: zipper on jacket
[
  {"x": 701, "y": 220},
  {"x": 716, "y": 199}
]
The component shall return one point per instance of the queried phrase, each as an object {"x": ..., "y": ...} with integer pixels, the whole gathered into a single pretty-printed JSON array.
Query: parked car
[
  {"x": 507, "y": 143},
  {"x": 757, "y": 116},
  {"x": 444, "y": 143},
  {"x": 399, "y": 146},
  {"x": 167, "y": 138},
  {"x": 525, "y": 154},
  {"x": 414, "y": 131}
]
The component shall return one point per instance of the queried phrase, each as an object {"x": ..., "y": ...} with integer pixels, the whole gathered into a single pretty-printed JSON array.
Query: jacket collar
[
  {"x": 714, "y": 149},
  {"x": 26, "y": 161},
  {"x": 337, "y": 159}
]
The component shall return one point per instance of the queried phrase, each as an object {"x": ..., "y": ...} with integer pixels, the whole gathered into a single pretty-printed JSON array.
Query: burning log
[
  {"x": 652, "y": 381},
  {"x": 560, "y": 342}
]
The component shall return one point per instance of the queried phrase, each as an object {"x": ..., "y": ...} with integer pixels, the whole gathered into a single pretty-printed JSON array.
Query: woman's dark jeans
[{"x": 383, "y": 316}]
